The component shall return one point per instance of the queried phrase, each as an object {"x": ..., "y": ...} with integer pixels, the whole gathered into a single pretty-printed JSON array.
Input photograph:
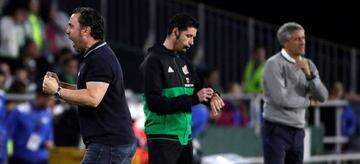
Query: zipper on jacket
[
  {"x": 183, "y": 85},
  {"x": 179, "y": 75}
]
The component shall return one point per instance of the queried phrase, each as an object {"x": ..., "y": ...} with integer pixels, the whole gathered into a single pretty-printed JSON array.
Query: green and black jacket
[{"x": 170, "y": 91}]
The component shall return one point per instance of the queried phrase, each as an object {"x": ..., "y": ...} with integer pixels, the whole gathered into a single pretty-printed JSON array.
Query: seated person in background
[
  {"x": 70, "y": 72},
  {"x": 212, "y": 78},
  {"x": 234, "y": 113},
  {"x": 236, "y": 89},
  {"x": 348, "y": 118}
]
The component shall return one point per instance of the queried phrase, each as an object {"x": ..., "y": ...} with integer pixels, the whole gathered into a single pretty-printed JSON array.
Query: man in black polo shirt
[{"x": 104, "y": 116}]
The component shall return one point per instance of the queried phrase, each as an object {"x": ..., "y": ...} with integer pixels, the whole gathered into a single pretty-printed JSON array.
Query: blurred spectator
[
  {"x": 253, "y": 72},
  {"x": 3, "y": 150},
  {"x": 348, "y": 118},
  {"x": 337, "y": 91},
  {"x": 34, "y": 26},
  {"x": 2, "y": 79},
  {"x": 212, "y": 78},
  {"x": 55, "y": 24},
  {"x": 30, "y": 127},
  {"x": 12, "y": 31},
  {"x": 69, "y": 75},
  {"x": 22, "y": 83},
  {"x": 63, "y": 55},
  {"x": 354, "y": 142},
  {"x": 17, "y": 87},
  {"x": 234, "y": 89},
  {"x": 231, "y": 113},
  {"x": 7, "y": 73},
  {"x": 36, "y": 63},
  {"x": 229, "y": 116},
  {"x": 5, "y": 83}
]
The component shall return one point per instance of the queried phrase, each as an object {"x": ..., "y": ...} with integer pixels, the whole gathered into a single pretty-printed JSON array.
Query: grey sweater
[{"x": 287, "y": 91}]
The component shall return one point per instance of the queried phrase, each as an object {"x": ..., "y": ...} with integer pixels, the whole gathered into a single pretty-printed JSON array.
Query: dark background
[{"x": 336, "y": 21}]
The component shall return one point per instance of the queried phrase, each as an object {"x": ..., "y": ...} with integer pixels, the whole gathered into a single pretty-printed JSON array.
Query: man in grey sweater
[{"x": 291, "y": 84}]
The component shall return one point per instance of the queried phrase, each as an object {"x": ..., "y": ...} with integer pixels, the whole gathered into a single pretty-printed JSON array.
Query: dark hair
[
  {"x": 10, "y": 7},
  {"x": 182, "y": 21},
  {"x": 17, "y": 86},
  {"x": 92, "y": 18},
  {"x": 257, "y": 48},
  {"x": 210, "y": 70}
]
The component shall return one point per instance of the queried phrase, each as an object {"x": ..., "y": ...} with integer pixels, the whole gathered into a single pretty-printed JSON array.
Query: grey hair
[{"x": 283, "y": 34}]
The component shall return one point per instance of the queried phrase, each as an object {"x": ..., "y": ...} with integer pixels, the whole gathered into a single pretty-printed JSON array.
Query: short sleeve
[{"x": 99, "y": 70}]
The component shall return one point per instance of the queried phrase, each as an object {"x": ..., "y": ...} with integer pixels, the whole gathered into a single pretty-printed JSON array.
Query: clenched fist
[{"x": 50, "y": 85}]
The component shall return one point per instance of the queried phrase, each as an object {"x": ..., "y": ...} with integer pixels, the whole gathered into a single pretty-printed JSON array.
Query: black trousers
[
  {"x": 282, "y": 144},
  {"x": 169, "y": 152}
]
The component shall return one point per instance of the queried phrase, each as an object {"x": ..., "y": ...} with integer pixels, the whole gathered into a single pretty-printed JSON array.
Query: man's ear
[
  {"x": 85, "y": 30},
  {"x": 176, "y": 32}
]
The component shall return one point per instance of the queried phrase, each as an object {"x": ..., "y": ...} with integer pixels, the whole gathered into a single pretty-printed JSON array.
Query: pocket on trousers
[
  {"x": 93, "y": 153},
  {"x": 123, "y": 153}
]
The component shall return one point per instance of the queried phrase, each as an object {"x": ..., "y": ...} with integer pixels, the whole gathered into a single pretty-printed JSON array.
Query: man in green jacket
[{"x": 171, "y": 87}]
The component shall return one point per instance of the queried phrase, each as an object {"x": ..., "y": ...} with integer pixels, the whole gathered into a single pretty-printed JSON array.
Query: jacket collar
[{"x": 288, "y": 57}]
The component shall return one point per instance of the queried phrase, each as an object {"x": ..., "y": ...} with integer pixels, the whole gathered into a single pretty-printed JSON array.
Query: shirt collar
[
  {"x": 287, "y": 56},
  {"x": 94, "y": 47}
]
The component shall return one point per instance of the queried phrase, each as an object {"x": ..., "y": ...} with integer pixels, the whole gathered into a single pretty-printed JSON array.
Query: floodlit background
[{"x": 231, "y": 36}]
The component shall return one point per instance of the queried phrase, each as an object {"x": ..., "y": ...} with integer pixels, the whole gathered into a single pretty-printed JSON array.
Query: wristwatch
[
  {"x": 312, "y": 76},
  {"x": 57, "y": 93}
]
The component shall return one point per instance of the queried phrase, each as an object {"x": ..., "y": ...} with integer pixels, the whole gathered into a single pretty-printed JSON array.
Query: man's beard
[
  {"x": 186, "y": 48},
  {"x": 78, "y": 49},
  {"x": 182, "y": 48}
]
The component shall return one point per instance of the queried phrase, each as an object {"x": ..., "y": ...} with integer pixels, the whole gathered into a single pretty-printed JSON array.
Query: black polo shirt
[{"x": 110, "y": 122}]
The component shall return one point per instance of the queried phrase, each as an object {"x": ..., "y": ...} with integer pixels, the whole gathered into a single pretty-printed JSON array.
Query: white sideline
[{"x": 235, "y": 159}]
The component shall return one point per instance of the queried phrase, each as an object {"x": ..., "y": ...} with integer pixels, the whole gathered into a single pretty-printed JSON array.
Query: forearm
[
  {"x": 78, "y": 97},
  {"x": 166, "y": 105},
  {"x": 68, "y": 86},
  {"x": 318, "y": 90},
  {"x": 289, "y": 101}
]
